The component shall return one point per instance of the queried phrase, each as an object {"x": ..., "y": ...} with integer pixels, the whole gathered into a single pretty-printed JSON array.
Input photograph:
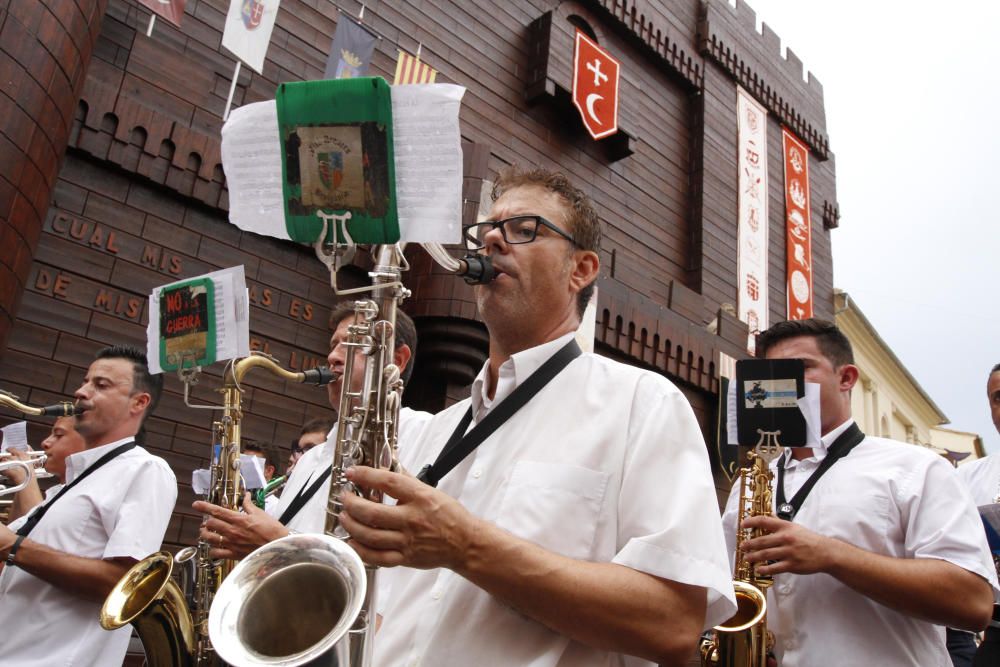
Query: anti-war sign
[{"x": 198, "y": 321}]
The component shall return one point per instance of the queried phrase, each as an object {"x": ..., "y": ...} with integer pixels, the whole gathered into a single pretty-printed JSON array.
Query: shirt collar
[
  {"x": 819, "y": 453},
  {"x": 511, "y": 374},
  {"x": 77, "y": 462},
  {"x": 830, "y": 437}
]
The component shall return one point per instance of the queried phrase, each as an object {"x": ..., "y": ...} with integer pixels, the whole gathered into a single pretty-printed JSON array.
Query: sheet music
[
  {"x": 428, "y": 150},
  {"x": 252, "y": 469},
  {"x": 15, "y": 436},
  {"x": 201, "y": 481},
  {"x": 808, "y": 404},
  {"x": 232, "y": 317},
  {"x": 251, "y": 158}
]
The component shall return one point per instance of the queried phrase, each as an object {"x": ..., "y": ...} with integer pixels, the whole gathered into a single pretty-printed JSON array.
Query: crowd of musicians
[{"x": 580, "y": 528}]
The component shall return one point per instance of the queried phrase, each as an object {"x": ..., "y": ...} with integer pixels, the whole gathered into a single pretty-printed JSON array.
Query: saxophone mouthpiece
[
  {"x": 61, "y": 410},
  {"x": 319, "y": 376},
  {"x": 476, "y": 269}
]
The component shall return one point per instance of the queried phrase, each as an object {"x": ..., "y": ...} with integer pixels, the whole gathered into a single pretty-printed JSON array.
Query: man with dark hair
[
  {"x": 313, "y": 433},
  {"x": 868, "y": 541},
  {"x": 303, "y": 502},
  {"x": 64, "y": 557},
  {"x": 582, "y": 529},
  {"x": 982, "y": 478},
  {"x": 62, "y": 441}
]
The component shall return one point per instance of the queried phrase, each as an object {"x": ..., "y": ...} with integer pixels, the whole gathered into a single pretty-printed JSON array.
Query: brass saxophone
[
  {"x": 304, "y": 597},
  {"x": 170, "y": 618},
  {"x": 743, "y": 640},
  {"x": 64, "y": 409}
]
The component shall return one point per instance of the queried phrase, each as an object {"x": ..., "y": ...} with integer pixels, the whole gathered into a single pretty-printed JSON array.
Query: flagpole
[
  {"x": 152, "y": 22},
  {"x": 232, "y": 90}
]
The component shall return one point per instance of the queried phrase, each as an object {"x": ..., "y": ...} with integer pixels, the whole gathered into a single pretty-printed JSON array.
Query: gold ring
[{"x": 220, "y": 540}]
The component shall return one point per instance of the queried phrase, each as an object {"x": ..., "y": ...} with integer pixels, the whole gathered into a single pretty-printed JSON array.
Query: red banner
[
  {"x": 798, "y": 227},
  {"x": 595, "y": 87},
  {"x": 171, "y": 10}
]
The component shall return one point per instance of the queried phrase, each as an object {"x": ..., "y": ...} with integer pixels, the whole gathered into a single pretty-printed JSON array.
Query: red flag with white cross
[{"x": 595, "y": 87}]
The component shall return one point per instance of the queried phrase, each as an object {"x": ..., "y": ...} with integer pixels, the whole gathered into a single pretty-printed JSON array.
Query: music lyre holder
[{"x": 768, "y": 447}]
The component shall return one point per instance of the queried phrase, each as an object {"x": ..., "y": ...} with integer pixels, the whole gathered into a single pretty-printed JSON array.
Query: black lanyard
[
  {"x": 461, "y": 444},
  {"x": 33, "y": 520},
  {"x": 840, "y": 448},
  {"x": 303, "y": 496}
]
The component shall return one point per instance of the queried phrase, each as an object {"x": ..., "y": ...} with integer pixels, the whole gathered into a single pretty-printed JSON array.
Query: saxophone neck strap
[
  {"x": 840, "y": 448},
  {"x": 33, "y": 520},
  {"x": 461, "y": 444},
  {"x": 303, "y": 496}
]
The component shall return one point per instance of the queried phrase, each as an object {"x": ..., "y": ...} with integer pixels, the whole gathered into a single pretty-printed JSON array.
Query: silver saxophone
[{"x": 308, "y": 598}]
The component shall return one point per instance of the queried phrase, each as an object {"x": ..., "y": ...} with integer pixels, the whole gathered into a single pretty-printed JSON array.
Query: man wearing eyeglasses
[{"x": 584, "y": 527}]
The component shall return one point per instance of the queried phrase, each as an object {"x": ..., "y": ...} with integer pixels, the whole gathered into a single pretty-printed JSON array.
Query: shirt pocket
[{"x": 555, "y": 505}]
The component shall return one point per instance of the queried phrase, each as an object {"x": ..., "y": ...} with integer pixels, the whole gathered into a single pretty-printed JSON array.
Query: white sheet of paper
[
  {"x": 427, "y": 146},
  {"x": 808, "y": 405},
  {"x": 232, "y": 317},
  {"x": 251, "y": 156},
  {"x": 252, "y": 469},
  {"x": 428, "y": 149},
  {"x": 15, "y": 436},
  {"x": 201, "y": 481}
]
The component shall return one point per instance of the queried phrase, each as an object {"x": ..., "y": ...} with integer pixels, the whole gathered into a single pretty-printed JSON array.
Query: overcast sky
[{"x": 913, "y": 103}]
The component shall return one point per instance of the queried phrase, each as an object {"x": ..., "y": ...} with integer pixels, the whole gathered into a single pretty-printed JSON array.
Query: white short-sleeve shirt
[
  {"x": 121, "y": 510},
  {"x": 889, "y": 498},
  {"x": 605, "y": 464},
  {"x": 312, "y": 517}
]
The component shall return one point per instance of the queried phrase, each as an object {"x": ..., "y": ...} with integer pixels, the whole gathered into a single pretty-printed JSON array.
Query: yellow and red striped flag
[{"x": 409, "y": 69}]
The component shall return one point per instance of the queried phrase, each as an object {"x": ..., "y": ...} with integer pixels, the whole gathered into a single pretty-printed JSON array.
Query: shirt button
[
  {"x": 477, "y": 473},
  {"x": 414, "y": 662},
  {"x": 436, "y": 594}
]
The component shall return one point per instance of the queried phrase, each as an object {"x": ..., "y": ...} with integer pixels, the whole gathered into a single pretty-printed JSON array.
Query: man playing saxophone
[
  {"x": 582, "y": 528},
  {"x": 879, "y": 546},
  {"x": 62, "y": 441},
  {"x": 302, "y": 506},
  {"x": 64, "y": 557}
]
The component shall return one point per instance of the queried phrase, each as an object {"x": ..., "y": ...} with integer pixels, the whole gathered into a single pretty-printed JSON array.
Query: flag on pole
[
  {"x": 409, "y": 69},
  {"x": 350, "y": 51},
  {"x": 171, "y": 10},
  {"x": 248, "y": 30}
]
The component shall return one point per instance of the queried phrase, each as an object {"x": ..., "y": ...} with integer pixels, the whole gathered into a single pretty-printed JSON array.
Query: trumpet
[
  {"x": 6, "y": 465},
  {"x": 36, "y": 461}
]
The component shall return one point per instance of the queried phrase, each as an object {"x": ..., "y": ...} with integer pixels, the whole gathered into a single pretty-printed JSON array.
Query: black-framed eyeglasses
[{"x": 515, "y": 230}]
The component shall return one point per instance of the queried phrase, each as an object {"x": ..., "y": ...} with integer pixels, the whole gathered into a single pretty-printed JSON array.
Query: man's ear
[
  {"x": 141, "y": 401},
  {"x": 849, "y": 375},
  {"x": 402, "y": 356},
  {"x": 586, "y": 266}
]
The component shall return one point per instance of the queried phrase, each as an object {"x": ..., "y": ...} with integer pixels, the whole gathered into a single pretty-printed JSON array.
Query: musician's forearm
[
  {"x": 602, "y": 605},
  {"x": 933, "y": 590},
  {"x": 91, "y": 578}
]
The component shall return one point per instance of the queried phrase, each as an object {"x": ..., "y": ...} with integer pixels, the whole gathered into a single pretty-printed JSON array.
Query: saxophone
[
  {"x": 171, "y": 618},
  {"x": 305, "y": 596},
  {"x": 743, "y": 640},
  {"x": 64, "y": 409}
]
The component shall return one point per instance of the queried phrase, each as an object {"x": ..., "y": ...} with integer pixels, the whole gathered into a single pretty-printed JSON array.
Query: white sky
[{"x": 913, "y": 101}]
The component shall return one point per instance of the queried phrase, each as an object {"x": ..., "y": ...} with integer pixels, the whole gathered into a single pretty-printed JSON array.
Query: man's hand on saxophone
[
  {"x": 788, "y": 547},
  {"x": 426, "y": 528},
  {"x": 236, "y": 534}
]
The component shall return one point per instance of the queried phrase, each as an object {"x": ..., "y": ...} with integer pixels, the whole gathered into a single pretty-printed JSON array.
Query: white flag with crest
[{"x": 248, "y": 30}]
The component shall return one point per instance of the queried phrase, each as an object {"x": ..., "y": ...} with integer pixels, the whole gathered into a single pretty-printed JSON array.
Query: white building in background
[{"x": 888, "y": 401}]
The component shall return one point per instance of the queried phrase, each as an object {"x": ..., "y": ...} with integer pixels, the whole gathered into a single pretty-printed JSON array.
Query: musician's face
[
  {"x": 338, "y": 358},
  {"x": 62, "y": 441},
  {"x": 834, "y": 382},
  {"x": 534, "y": 288},
  {"x": 111, "y": 406},
  {"x": 993, "y": 392}
]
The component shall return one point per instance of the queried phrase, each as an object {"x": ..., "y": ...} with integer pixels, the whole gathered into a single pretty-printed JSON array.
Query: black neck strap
[
  {"x": 840, "y": 448},
  {"x": 303, "y": 496},
  {"x": 33, "y": 520},
  {"x": 461, "y": 444}
]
